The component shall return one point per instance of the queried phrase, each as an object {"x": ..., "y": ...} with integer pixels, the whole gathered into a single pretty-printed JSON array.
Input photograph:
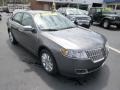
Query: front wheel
[
  {"x": 48, "y": 62},
  {"x": 106, "y": 24}
]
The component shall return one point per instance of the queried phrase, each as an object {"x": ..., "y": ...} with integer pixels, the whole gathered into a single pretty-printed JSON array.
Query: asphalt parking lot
[{"x": 19, "y": 70}]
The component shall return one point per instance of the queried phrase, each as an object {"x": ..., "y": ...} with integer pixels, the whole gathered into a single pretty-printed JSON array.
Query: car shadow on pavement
[
  {"x": 95, "y": 81},
  {"x": 112, "y": 28}
]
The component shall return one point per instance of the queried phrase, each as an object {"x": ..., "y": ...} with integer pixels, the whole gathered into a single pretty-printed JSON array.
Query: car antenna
[{"x": 53, "y": 6}]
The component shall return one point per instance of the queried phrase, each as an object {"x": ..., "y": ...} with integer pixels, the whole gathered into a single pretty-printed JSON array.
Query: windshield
[
  {"x": 53, "y": 21},
  {"x": 118, "y": 13},
  {"x": 74, "y": 12},
  {"x": 105, "y": 12}
]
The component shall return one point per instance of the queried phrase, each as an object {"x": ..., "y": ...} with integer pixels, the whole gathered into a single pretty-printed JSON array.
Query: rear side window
[
  {"x": 98, "y": 10},
  {"x": 92, "y": 11},
  {"x": 27, "y": 20},
  {"x": 18, "y": 17}
]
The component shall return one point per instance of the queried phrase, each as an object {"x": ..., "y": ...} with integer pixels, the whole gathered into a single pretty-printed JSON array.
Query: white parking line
[{"x": 115, "y": 50}]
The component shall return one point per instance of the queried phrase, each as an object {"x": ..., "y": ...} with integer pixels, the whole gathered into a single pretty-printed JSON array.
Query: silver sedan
[{"x": 61, "y": 45}]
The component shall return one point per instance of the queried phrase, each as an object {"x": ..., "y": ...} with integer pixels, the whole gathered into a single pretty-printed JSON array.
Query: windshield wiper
[
  {"x": 68, "y": 28},
  {"x": 49, "y": 30}
]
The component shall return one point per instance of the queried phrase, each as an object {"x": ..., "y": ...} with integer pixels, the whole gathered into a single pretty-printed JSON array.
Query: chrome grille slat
[{"x": 96, "y": 54}]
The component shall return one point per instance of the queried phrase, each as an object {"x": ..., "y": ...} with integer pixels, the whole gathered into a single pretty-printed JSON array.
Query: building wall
[
  {"x": 114, "y": 4},
  {"x": 36, "y": 5},
  {"x": 111, "y": 1},
  {"x": 46, "y": 4}
]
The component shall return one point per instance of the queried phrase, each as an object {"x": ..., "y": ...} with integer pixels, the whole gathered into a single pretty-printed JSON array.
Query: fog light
[{"x": 81, "y": 71}]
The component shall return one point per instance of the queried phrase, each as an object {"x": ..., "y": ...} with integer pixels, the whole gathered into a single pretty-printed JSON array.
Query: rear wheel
[
  {"x": 106, "y": 24},
  {"x": 12, "y": 38},
  {"x": 48, "y": 62}
]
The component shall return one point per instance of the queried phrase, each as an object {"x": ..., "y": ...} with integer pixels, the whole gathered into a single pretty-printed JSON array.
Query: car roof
[
  {"x": 33, "y": 12},
  {"x": 98, "y": 7}
]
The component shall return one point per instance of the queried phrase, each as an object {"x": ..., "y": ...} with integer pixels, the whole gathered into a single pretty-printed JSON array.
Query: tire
[
  {"x": 48, "y": 62},
  {"x": 89, "y": 25},
  {"x": 12, "y": 38},
  {"x": 106, "y": 24},
  {"x": 118, "y": 26}
]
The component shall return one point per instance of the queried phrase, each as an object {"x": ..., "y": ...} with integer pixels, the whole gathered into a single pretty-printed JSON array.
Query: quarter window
[{"x": 118, "y": 7}]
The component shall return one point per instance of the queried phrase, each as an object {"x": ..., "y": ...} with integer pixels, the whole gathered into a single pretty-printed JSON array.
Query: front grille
[
  {"x": 96, "y": 54},
  {"x": 118, "y": 18},
  {"x": 82, "y": 18}
]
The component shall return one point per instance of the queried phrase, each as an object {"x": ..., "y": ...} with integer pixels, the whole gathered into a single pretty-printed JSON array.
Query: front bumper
[
  {"x": 114, "y": 22},
  {"x": 84, "y": 23},
  {"x": 76, "y": 67}
]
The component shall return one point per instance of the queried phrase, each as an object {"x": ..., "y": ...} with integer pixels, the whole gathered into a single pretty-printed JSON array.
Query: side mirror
[
  {"x": 64, "y": 14},
  {"x": 11, "y": 18},
  {"x": 29, "y": 28}
]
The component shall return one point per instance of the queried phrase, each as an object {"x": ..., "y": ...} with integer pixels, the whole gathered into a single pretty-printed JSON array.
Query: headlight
[
  {"x": 75, "y": 54},
  {"x": 72, "y": 18},
  {"x": 113, "y": 18},
  {"x": 89, "y": 18}
]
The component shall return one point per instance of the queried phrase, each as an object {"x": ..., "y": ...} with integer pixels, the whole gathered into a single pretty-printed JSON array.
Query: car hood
[
  {"x": 112, "y": 15},
  {"x": 76, "y": 38}
]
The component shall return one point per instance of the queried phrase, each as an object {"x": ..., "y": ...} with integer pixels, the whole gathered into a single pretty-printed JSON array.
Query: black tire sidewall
[{"x": 118, "y": 26}]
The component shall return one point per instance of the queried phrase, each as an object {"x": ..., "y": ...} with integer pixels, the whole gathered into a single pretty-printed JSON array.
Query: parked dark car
[
  {"x": 61, "y": 45},
  {"x": 105, "y": 17},
  {"x": 77, "y": 16},
  {"x": 5, "y": 9}
]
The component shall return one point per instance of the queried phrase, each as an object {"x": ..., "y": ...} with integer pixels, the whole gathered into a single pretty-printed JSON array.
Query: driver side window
[
  {"x": 17, "y": 17},
  {"x": 27, "y": 20}
]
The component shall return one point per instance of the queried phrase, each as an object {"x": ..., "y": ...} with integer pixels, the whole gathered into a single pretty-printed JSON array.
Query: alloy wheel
[{"x": 47, "y": 62}]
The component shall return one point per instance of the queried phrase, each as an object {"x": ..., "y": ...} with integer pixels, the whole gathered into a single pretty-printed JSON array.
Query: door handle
[{"x": 20, "y": 29}]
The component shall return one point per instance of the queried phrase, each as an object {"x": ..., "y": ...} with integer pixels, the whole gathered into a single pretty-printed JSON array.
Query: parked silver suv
[
  {"x": 76, "y": 15},
  {"x": 61, "y": 45}
]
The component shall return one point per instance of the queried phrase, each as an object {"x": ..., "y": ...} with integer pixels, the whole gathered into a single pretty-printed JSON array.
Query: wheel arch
[
  {"x": 45, "y": 47},
  {"x": 104, "y": 19},
  {"x": 8, "y": 30}
]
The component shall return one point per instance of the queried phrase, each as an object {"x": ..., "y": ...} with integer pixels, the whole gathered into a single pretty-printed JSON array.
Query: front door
[{"x": 28, "y": 38}]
